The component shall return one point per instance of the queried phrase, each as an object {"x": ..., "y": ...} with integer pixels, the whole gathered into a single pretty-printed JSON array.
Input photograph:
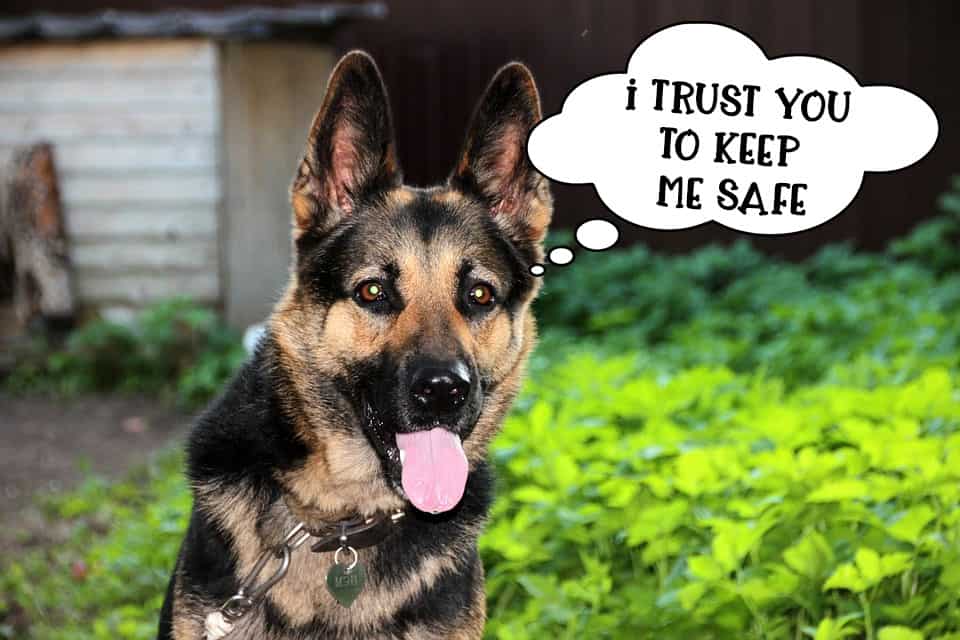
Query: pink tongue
[{"x": 434, "y": 469}]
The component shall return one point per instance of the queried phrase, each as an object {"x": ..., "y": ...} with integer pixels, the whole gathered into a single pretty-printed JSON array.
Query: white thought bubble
[
  {"x": 703, "y": 126},
  {"x": 560, "y": 256},
  {"x": 597, "y": 235}
]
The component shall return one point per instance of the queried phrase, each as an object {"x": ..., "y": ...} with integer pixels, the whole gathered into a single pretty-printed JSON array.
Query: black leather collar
[{"x": 358, "y": 533}]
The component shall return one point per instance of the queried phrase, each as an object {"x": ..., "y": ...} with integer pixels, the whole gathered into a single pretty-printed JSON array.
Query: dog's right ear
[
  {"x": 493, "y": 164},
  {"x": 350, "y": 152}
]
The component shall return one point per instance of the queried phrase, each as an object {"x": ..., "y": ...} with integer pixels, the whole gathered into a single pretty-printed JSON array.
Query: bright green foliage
[
  {"x": 707, "y": 504},
  {"x": 108, "y": 580},
  {"x": 175, "y": 348},
  {"x": 713, "y": 446},
  {"x": 860, "y": 318}
]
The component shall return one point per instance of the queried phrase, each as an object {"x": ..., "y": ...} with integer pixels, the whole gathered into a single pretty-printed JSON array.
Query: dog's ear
[
  {"x": 351, "y": 153},
  {"x": 493, "y": 164}
]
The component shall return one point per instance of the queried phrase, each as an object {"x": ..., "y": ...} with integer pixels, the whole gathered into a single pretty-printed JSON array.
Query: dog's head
[{"x": 407, "y": 320}]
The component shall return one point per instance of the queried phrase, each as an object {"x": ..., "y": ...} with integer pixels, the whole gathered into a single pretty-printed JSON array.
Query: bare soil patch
[{"x": 47, "y": 445}]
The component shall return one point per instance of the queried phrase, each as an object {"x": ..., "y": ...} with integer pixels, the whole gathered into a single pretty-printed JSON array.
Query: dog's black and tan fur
[{"x": 306, "y": 430}]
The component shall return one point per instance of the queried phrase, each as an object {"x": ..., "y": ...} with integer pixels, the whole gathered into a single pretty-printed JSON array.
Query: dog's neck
[
  {"x": 316, "y": 519},
  {"x": 356, "y": 531},
  {"x": 319, "y": 522}
]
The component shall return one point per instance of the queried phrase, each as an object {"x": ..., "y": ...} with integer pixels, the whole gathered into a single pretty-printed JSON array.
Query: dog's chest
[{"x": 308, "y": 609}]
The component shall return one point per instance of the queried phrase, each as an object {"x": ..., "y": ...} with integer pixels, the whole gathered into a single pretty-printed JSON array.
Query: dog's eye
[
  {"x": 481, "y": 294},
  {"x": 370, "y": 291}
]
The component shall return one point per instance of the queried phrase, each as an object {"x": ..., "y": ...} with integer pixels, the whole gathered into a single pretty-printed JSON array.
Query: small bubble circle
[
  {"x": 560, "y": 255},
  {"x": 597, "y": 235},
  {"x": 537, "y": 270}
]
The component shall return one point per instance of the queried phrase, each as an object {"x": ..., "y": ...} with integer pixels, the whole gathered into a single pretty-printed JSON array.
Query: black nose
[{"x": 440, "y": 390}]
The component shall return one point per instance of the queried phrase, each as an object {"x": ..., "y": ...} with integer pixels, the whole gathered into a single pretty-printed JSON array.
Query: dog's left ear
[
  {"x": 351, "y": 153},
  {"x": 493, "y": 164}
]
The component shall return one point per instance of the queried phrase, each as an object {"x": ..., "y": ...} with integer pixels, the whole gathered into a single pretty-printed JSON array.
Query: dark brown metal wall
[
  {"x": 437, "y": 56},
  {"x": 80, "y": 7}
]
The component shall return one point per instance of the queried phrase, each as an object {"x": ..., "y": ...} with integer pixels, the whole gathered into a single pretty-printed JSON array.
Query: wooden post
[{"x": 32, "y": 227}]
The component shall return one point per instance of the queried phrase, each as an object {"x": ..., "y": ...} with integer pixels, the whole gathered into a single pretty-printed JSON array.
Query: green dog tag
[{"x": 346, "y": 585}]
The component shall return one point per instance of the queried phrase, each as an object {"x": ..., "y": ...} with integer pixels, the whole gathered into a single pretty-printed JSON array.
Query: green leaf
[
  {"x": 839, "y": 490},
  {"x": 728, "y": 550},
  {"x": 706, "y": 568},
  {"x": 758, "y": 590},
  {"x": 846, "y": 576},
  {"x": 908, "y": 525},
  {"x": 533, "y": 494},
  {"x": 892, "y": 564},
  {"x": 832, "y": 629},
  {"x": 950, "y": 576},
  {"x": 868, "y": 570},
  {"x": 868, "y": 564},
  {"x": 899, "y": 633},
  {"x": 656, "y": 521},
  {"x": 811, "y": 557},
  {"x": 691, "y": 594},
  {"x": 733, "y": 541}
]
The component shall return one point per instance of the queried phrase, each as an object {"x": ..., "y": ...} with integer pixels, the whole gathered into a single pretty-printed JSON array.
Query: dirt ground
[{"x": 47, "y": 445}]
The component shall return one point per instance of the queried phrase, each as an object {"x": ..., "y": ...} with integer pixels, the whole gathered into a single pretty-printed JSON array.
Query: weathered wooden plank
[
  {"x": 99, "y": 288},
  {"x": 143, "y": 92},
  {"x": 19, "y": 128},
  {"x": 141, "y": 222},
  {"x": 94, "y": 73},
  {"x": 118, "y": 55},
  {"x": 132, "y": 155},
  {"x": 84, "y": 191},
  {"x": 121, "y": 256}
]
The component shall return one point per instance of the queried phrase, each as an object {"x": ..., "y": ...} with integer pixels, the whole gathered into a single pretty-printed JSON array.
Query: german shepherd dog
[{"x": 386, "y": 368}]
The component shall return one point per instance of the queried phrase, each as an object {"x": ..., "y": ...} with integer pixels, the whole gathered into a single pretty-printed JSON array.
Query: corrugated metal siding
[{"x": 135, "y": 127}]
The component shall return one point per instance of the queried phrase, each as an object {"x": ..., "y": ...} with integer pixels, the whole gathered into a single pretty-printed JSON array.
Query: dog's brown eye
[
  {"x": 370, "y": 291},
  {"x": 481, "y": 294}
]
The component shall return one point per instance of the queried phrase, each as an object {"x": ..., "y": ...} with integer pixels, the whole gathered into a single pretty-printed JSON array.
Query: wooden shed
[{"x": 175, "y": 137}]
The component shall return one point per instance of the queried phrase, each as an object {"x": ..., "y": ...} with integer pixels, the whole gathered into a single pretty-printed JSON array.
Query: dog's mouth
[{"x": 426, "y": 465}]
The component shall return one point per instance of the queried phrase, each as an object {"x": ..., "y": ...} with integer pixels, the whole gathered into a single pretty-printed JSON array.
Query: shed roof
[{"x": 228, "y": 22}]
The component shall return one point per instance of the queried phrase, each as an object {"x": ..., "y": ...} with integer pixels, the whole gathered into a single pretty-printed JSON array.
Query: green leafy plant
[
  {"x": 108, "y": 580},
  {"x": 934, "y": 241},
  {"x": 176, "y": 348},
  {"x": 714, "y": 505}
]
